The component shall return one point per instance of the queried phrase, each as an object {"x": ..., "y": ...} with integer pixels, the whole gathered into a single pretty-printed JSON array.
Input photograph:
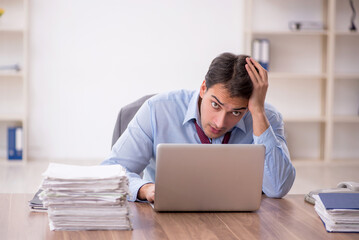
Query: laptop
[{"x": 209, "y": 177}]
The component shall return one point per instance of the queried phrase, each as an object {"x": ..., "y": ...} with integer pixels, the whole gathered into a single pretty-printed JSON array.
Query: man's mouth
[{"x": 215, "y": 130}]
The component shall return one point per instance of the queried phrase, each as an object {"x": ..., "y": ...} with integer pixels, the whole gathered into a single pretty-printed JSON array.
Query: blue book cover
[
  {"x": 14, "y": 143},
  {"x": 340, "y": 200}
]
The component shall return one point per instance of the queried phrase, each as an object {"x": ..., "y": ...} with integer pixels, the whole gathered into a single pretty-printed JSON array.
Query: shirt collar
[
  {"x": 192, "y": 110},
  {"x": 241, "y": 124},
  {"x": 193, "y": 113}
]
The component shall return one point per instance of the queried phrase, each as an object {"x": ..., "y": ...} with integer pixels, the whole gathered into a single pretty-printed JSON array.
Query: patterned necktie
[{"x": 204, "y": 139}]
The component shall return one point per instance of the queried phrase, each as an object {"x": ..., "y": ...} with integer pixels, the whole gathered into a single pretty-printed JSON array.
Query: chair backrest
[{"x": 125, "y": 116}]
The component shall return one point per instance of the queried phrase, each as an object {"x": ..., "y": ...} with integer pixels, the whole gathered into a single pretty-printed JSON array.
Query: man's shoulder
[
  {"x": 272, "y": 112},
  {"x": 270, "y": 108},
  {"x": 176, "y": 97},
  {"x": 173, "y": 105}
]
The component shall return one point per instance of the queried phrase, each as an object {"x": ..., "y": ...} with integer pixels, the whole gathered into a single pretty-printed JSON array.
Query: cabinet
[
  {"x": 13, "y": 83},
  {"x": 313, "y": 74}
]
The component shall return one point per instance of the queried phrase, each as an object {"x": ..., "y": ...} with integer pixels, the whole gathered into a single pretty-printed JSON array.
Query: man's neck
[{"x": 199, "y": 105}]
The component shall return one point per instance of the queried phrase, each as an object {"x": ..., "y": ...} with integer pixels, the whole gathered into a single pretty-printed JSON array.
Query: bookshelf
[
  {"x": 13, "y": 83},
  {"x": 313, "y": 74}
]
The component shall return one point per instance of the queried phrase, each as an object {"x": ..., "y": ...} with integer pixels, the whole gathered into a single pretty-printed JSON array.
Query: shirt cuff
[
  {"x": 267, "y": 138},
  {"x": 135, "y": 185}
]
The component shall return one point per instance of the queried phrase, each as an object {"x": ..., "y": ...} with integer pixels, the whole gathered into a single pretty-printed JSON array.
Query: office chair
[{"x": 125, "y": 116}]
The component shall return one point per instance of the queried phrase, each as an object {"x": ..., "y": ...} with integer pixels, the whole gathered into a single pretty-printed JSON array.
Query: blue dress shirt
[{"x": 169, "y": 118}]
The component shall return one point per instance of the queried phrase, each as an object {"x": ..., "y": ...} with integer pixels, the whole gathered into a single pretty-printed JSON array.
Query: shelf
[
  {"x": 346, "y": 33},
  {"x": 299, "y": 161},
  {"x": 346, "y": 76},
  {"x": 289, "y": 33},
  {"x": 315, "y": 78},
  {"x": 283, "y": 75},
  {"x": 14, "y": 49},
  {"x": 346, "y": 119},
  {"x": 345, "y": 161},
  {"x": 11, "y": 30},
  {"x": 14, "y": 162},
  {"x": 4, "y": 73},
  {"x": 321, "y": 162},
  {"x": 11, "y": 118},
  {"x": 314, "y": 119}
]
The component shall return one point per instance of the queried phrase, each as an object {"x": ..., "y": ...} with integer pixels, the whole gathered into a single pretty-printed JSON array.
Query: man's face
[{"x": 219, "y": 112}]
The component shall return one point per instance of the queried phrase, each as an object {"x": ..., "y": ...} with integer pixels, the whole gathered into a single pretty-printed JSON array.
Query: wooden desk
[{"x": 287, "y": 218}]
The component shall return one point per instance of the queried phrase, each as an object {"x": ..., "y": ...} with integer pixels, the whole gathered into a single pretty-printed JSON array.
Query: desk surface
[{"x": 287, "y": 218}]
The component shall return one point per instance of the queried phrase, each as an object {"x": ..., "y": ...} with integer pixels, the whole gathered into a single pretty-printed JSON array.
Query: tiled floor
[{"x": 20, "y": 178}]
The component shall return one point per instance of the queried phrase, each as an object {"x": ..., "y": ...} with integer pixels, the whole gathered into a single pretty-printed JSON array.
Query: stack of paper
[
  {"x": 338, "y": 211},
  {"x": 36, "y": 204},
  {"x": 86, "y": 197}
]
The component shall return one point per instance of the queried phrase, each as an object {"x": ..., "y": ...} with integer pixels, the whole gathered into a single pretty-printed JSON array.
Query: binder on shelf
[
  {"x": 14, "y": 67},
  {"x": 15, "y": 146},
  {"x": 260, "y": 52}
]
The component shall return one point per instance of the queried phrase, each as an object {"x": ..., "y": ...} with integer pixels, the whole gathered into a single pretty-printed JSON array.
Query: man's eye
[
  {"x": 215, "y": 105},
  {"x": 236, "y": 113}
]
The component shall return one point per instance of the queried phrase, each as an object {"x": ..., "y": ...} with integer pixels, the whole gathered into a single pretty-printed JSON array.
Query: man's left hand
[
  {"x": 260, "y": 85},
  {"x": 256, "y": 101}
]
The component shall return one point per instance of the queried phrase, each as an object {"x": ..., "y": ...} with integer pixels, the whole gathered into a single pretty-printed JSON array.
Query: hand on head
[{"x": 259, "y": 77}]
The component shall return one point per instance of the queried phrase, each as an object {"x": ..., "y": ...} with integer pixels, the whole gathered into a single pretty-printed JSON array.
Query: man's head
[
  {"x": 229, "y": 70},
  {"x": 224, "y": 94}
]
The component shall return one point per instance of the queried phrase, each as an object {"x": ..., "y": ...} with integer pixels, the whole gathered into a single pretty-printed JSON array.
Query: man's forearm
[
  {"x": 260, "y": 122},
  {"x": 279, "y": 173}
]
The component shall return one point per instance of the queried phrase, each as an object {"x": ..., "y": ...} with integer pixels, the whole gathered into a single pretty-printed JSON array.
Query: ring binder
[
  {"x": 15, "y": 146},
  {"x": 260, "y": 52}
]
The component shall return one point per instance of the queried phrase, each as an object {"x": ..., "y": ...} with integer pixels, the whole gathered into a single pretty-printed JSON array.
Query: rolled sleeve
[
  {"x": 133, "y": 150},
  {"x": 279, "y": 173},
  {"x": 267, "y": 138},
  {"x": 135, "y": 184}
]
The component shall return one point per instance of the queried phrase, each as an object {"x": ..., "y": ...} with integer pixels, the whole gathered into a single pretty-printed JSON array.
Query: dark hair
[{"x": 229, "y": 69}]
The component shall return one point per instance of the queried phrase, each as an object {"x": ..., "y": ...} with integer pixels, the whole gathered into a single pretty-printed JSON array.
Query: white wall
[{"x": 90, "y": 58}]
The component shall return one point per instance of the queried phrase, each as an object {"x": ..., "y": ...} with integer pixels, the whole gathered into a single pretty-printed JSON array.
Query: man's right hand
[{"x": 147, "y": 192}]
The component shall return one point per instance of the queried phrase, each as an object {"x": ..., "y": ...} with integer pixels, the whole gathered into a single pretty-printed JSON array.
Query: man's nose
[{"x": 220, "y": 120}]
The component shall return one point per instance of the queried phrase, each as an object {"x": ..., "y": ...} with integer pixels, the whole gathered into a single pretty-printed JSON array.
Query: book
[
  {"x": 338, "y": 211},
  {"x": 340, "y": 200},
  {"x": 15, "y": 145}
]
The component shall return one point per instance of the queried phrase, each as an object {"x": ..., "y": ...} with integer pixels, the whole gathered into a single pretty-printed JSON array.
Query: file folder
[
  {"x": 15, "y": 146},
  {"x": 260, "y": 52}
]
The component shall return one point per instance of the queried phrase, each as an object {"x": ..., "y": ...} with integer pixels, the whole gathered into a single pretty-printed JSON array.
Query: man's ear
[{"x": 203, "y": 89}]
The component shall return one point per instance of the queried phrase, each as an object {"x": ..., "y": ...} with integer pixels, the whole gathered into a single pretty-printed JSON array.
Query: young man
[{"x": 228, "y": 108}]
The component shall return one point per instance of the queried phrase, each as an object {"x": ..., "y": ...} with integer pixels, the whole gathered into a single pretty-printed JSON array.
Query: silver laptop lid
[{"x": 206, "y": 177}]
